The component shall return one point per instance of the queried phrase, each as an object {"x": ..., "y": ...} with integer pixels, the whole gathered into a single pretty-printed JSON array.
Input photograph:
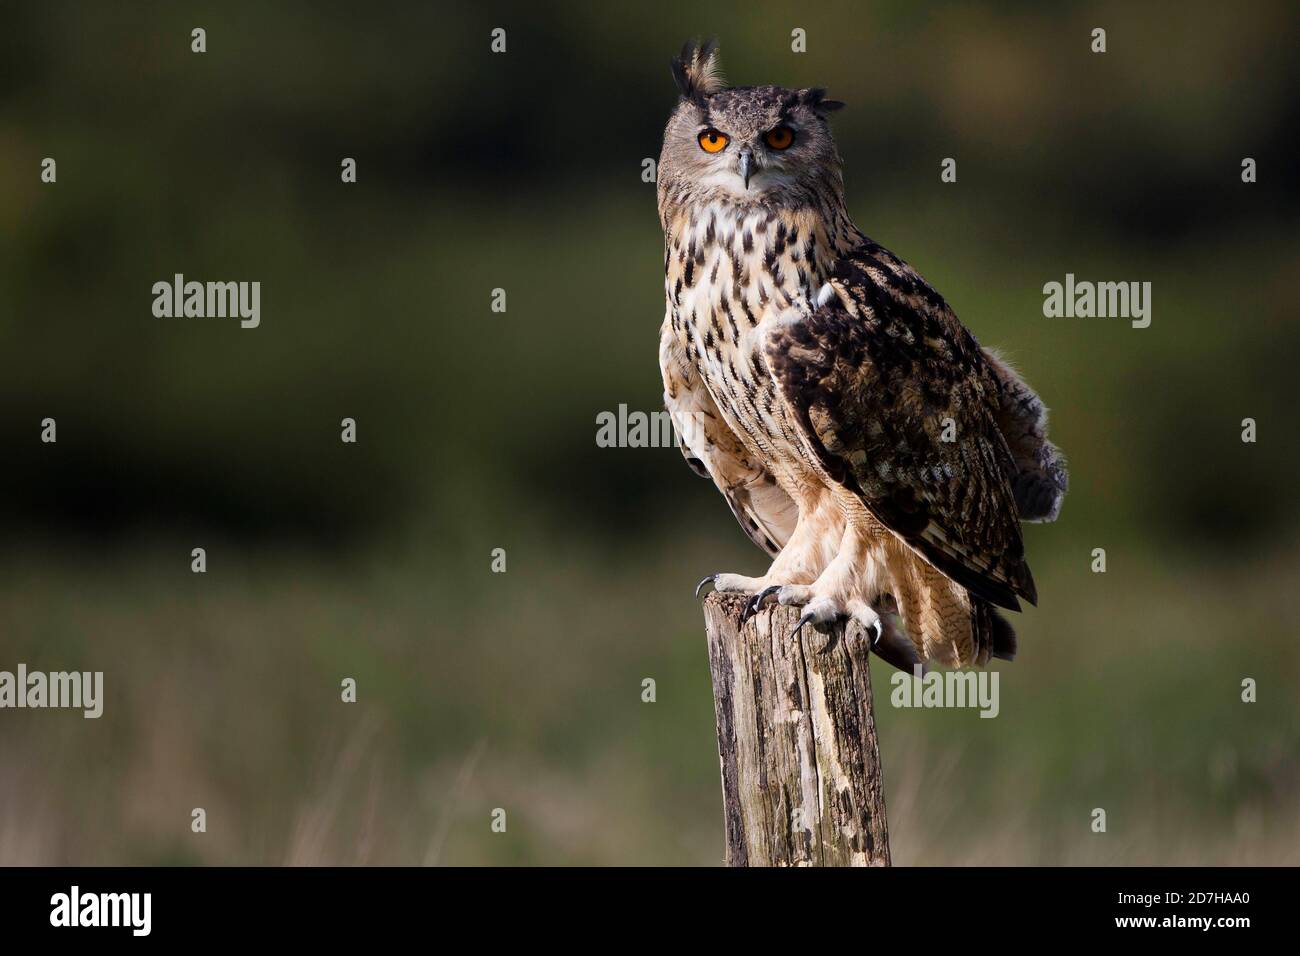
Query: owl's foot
[
  {"x": 827, "y": 610},
  {"x": 790, "y": 595},
  {"x": 834, "y": 596},
  {"x": 731, "y": 584},
  {"x": 787, "y": 595},
  {"x": 819, "y": 607}
]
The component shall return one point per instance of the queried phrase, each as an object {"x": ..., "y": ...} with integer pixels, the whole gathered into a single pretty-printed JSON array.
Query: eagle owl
[{"x": 860, "y": 434}]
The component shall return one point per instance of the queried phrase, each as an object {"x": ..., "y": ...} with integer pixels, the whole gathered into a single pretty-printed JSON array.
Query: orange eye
[
  {"x": 779, "y": 138},
  {"x": 711, "y": 141}
]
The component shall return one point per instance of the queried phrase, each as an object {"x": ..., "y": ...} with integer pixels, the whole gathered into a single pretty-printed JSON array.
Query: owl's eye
[
  {"x": 711, "y": 141},
  {"x": 779, "y": 138}
]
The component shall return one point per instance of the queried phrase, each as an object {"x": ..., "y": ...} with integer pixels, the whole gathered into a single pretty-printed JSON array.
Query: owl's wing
[
  {"x": 765, "y": 512},
  {"x": 1041, "y": 477},
  {"x": 898, "y": 404}
]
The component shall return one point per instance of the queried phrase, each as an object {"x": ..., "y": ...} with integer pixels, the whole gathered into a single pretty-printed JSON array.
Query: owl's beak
[{"x": 746, "y": 166}]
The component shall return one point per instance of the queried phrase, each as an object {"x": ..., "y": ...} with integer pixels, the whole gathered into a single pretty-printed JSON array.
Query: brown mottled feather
[{"x": 873, "y": 377}]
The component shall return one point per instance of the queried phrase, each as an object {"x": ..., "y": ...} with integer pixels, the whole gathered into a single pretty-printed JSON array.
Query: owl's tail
[
  {"x": 946, "y": 623},
  {"x": 994, "y": 635}
]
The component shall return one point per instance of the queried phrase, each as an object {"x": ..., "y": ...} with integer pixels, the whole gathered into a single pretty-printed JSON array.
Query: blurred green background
[{"x": 477, "y": 430}]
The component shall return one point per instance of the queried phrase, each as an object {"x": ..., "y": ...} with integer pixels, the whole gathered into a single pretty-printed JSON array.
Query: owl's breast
[
  {"x": 725, "y": 278},
  {"x": 726, "y": 272}
]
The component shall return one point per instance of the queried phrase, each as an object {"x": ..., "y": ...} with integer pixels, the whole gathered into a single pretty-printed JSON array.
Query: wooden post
[{"x": 801, "y": 780}]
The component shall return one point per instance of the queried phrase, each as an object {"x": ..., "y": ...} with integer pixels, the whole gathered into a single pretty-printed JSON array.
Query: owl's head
[{"x": 747, "y": 144}]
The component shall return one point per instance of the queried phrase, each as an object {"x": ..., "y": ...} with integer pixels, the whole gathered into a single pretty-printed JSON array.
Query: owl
[{"x": 857, "y": 430}]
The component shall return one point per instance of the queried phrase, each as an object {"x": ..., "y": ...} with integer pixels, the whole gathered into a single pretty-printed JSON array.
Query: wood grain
[{"x": 801, "y": 777}]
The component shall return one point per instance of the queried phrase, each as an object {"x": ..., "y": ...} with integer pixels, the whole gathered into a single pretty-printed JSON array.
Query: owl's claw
[
  {"x": 755, "y": 603},
  {"x": 818, "y": 611},
  {"x": 810, "y": 616},
  {"x": 708, "y": 580},
  {"x": 804, "y": 618}
]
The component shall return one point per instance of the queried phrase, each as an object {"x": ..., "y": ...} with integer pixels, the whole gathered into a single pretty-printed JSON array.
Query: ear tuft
[
  {"x": 697, "y": 71},
  {"x": 816, "y": 99}
]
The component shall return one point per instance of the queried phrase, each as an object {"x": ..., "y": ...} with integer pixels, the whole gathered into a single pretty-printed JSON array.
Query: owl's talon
[
  {"x": 871, "y": 621},
  {"x": 804, "y": 618},
  {"x": 819, "y": 611},
  {"x": 707, "y": 580},
  {"x": 756, "y": 603}
]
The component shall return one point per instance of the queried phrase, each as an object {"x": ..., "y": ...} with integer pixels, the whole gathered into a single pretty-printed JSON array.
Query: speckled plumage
[{"x": 815, "y": 377}]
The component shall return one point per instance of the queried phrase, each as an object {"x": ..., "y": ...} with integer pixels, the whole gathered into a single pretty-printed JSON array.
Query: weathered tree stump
[{"x": 801, "y": 779}]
